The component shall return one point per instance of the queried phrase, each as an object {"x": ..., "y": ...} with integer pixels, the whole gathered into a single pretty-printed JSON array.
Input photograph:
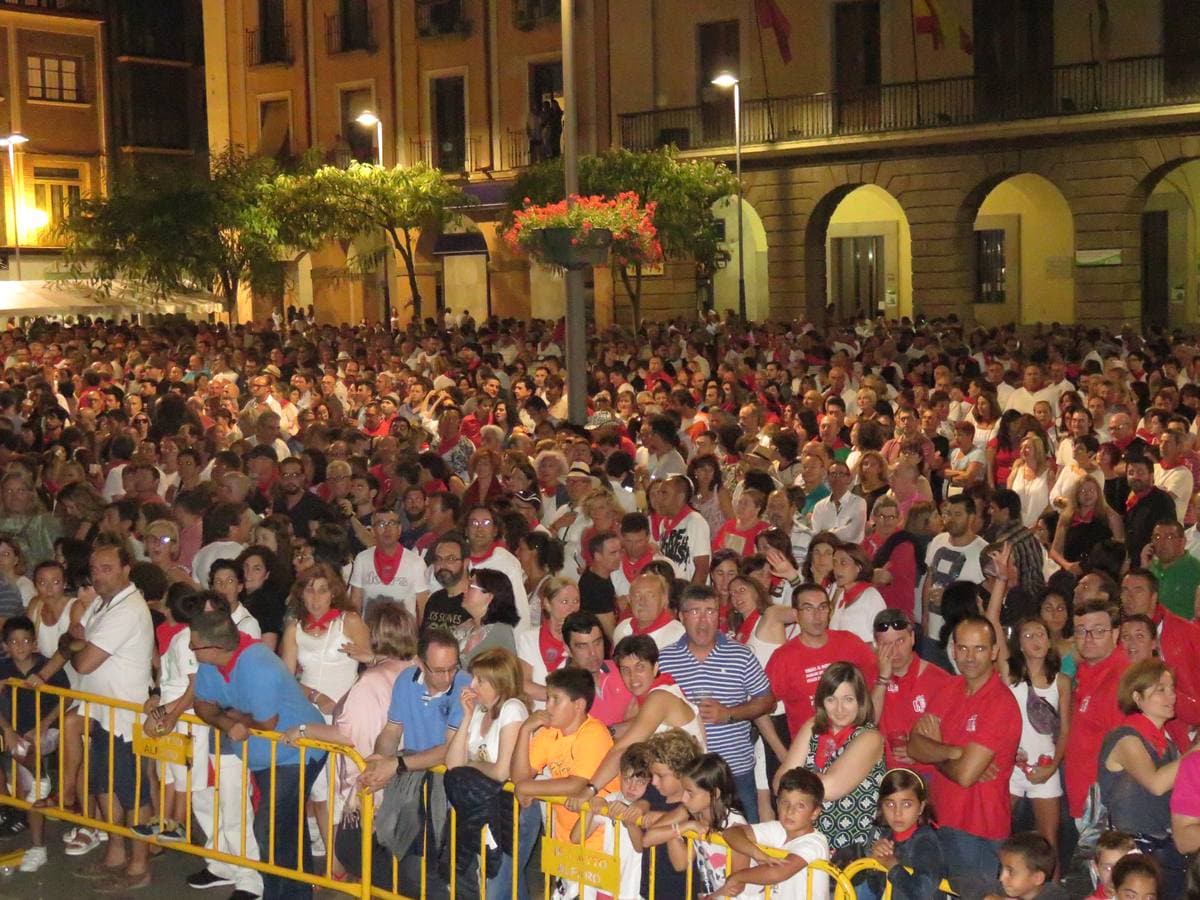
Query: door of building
[
  {"x": 857, "y": 276},
  {"x": 1156, "y": 288}
]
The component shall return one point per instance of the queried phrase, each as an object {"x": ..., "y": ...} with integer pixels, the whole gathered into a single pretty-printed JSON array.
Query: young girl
[
  {"x": 710, "y": 804},
  {"x": 907, "y": 840},
  {"x": 1136, "y": 877}
]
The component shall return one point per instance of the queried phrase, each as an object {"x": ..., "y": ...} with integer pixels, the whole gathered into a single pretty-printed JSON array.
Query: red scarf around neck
[
  {"x": 746, "y": 629},
  {"x": 666, "y": 526},
  {"x": 244, "y": 641},
  {"x": 1153, "y": 735},
  {"x": 165, "y": 633},
  {"x": 1134, "y": 499},
  {"x": 662, "y": 680},
  {"x": 632, "y": 570},
  {"x": 852, "y": 593},
  {"x": 828, "y": 745},
  {"x": 387, "y": 565},
  {"x": 899, "y": 837},
  {"x": 477, "y": 559},
  {"x": 323, "y": 622},
  {"x": 664, "y": 618}
]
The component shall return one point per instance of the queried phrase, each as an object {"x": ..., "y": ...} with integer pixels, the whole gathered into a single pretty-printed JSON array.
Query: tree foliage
[
  {"x": 361, "y": 200},
  {"x": 167, "y": 229},
  {"x": 683, "y": 192}
]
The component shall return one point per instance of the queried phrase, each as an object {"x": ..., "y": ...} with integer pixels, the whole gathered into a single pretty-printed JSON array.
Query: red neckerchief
[
  {"x": 244, "y": 641},
  {"x": 666, "y": 526},
  {"x": 1134, "y": 499},
  {"x": 662, "y": 680},
  {"x": 1121, "y": 445},
  {"x": 664, "y": 618},
  {"x": 829, "y": 744},
  {"x": 1167, "y": 467},
  {"x": 1084, "y": 518},
  {"x": 317, "y": 625},
  {"x": 476, "y": 560},
  {"x": 634, "y": 569},
  {"x": 551, "y": 648},
  {"x": 163, "y": 635},
  {"x": 1153, "y": 735},
  {"x": 387, "y": 566},
  {"x": 852, "y": 593},
  {"x": 899, "y": 837},
  {"x": 448, "y": 444},
  {"x": 746, "y": 629}
]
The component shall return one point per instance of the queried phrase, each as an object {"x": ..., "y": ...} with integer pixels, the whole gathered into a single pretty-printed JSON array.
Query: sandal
[
  {"x": 84, "y": 841},
  {"x": 122, "y": 883},
  {"x": 98, "y": 871}
]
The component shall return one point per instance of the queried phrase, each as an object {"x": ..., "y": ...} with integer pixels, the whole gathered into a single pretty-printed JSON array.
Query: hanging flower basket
[{"x": 582, "y": 234}]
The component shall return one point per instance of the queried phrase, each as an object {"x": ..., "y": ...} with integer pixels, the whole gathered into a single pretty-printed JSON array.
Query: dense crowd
[{"x": 902, "y": 590}]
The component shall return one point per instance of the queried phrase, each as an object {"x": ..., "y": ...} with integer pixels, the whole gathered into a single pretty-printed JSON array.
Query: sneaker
[
  {"x": 163, "y": 831},
  {"x": 315, "y": 838},
  {"x": 172, "y": 832},
  {"x": 34, "y": 859},
  {"x": 86, "y": 840},
  {"x": 205, "y": 879}
]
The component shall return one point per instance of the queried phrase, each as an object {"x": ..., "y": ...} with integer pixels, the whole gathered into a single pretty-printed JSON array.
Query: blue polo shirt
[
  {"x": 424, "y": 716},
  {"x": 260, "y": 685},
  {"x": 731, "y": 675}
]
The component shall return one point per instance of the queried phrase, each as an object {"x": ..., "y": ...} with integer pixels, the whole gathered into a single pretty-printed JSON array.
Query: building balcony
[
  {"x": 270, "y": 47},
  {"x": 529, "y": 14},
  {"x": 345, "y": 33},
  {"x": 454, "y": 157},
  {"x": 1082, "y": 89},
  {"x": 90, "y": 7},
  {"x": 514, "y": 150},
  {"x": 436, "y": 18}
]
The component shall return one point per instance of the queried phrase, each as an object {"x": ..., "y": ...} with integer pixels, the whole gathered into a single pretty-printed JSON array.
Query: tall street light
[
  {"x": 368, "y": 119},
  {"x": 728, "y": 80},
  {"x": 11, "y": 143},
  {"x": 576, "y": 312}
]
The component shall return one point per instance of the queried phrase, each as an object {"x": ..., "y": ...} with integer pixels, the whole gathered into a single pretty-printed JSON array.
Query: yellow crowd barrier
[{"x": 78, "y": 714}]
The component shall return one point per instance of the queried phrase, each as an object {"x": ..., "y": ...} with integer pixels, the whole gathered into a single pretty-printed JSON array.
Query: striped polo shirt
[{"x": 732, "y": 676}]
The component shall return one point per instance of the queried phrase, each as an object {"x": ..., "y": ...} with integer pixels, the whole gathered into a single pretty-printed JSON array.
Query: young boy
[
  {"x": 626, "y": 806},
  {"x": 798, "y": 801},
  {"x": 22, "y": 737},
  {"x": 1136, "y": 877},
  {"x": 1111, "y": 847},
  {"x": 1027, "y": 864}
]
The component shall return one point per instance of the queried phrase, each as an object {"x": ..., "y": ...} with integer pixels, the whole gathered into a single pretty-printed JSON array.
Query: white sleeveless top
[
  {"x": 48, "y": 637},
  {"x": 1033, "y": 743},
  {"x": 323, "y": 666},
  {"x": 763, "y": 651},
  {"x": 694, "y": 727}
]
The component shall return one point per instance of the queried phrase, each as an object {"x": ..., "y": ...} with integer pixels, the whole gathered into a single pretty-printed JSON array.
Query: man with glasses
[
  {"x": 241, "y": 685},
  {"x": 795, "y": 668},
  {"x": 1176, "y": 571},
  {"x": 904, "y": 689},
  {"x": 1101, "y": 663},
  {"x": 302, "y": 506},
  {"x": 489, "y": 552},
  {"x": 388, "y": 572},
  {"x": 842, "y": 513},
  {"x": 1079, "y": 423},
  {"x": 260, "y": 401},
  {"x": 448, "y": 562},
  {"x": 727, "y": 684}
]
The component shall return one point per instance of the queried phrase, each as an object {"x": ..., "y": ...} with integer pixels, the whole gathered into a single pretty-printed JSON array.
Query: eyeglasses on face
[{"x": 881, "y": 627}]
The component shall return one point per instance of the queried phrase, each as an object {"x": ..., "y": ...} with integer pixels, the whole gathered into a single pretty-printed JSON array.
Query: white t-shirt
[
  {"x": 408, "y": 581},
  {"x": 668, "y": 634},
  {"x": 809, "y": 847},
  {"x": 124, "y": 630},
  {"x": 114, "y": 487},
  {"x": 947, "y": 563},
  {"x": 178, "y": 664},
  {"x": 629, "y": 859},
  {"x": 203, "y": 561},
  {"x": 484, "y": 746},
  {"x": 501, "y": 560},
  {"x": 858, "y": 617},
  {"x": 689, "y": 539}
]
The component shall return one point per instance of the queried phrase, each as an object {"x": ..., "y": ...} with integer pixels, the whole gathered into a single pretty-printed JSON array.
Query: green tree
[
  {"x": 169, "y": 228},
  {"x": 683, "y": 192},
  {"x": 363, "y": 199}
]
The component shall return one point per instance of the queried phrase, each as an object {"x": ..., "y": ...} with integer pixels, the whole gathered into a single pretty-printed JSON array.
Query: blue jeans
[
  {"x": 529, "y": 829},
  {"x": 971, "y": 861},
  {"x": 748, "y": 794},
  {"x": 289, "y": 788}
]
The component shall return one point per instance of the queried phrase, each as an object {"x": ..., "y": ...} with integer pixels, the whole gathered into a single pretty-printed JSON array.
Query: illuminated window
[
  {"x": 54, "y": 78},
  {"x": 55, "y": 192}
]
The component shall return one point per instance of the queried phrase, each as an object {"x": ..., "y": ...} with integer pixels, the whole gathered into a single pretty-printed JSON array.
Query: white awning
[{"x": 40, "y": 298}]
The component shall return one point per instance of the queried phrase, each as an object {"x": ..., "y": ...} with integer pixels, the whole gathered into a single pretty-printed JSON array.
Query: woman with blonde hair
[
  {"x": 79, "y": 508},
  {"x": 542, "y": 650},
  {"x": 494, "y": 706},
  {"x": 1030, "y": 479},
  {"x": 486, "y": 482},
  {"x": 161, "y": 538},
  {"x": 871, "y": 477},
  {"x": 1084, "y": 521}
]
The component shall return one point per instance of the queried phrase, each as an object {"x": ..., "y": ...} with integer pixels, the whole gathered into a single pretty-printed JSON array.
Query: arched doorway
[
  {"x": 725, "y": 279},
  {"x": 1024, "y": 254},
  {"x": 868, "y": 248},
  {"x": 1170, "y": 226}
]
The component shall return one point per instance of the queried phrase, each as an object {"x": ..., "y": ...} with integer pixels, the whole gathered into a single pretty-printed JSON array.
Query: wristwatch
[
  {"x": 401, "y": 765},
  {"x": 303, "y": 729}
]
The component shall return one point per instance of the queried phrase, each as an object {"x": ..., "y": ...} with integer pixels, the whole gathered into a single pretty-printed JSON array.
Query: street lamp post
[
  {"x": 576, "y": 312},
  {"x": 729, "y": 80},
  {"x": 11, "y": 143},
  {"x": 368, "y": 119}
]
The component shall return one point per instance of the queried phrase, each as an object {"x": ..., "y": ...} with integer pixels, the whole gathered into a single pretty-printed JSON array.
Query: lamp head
[
  {"x": 725, "y": 80},
  {"x": 368, "y": 119},
  {"x": 13, "y": 140}
]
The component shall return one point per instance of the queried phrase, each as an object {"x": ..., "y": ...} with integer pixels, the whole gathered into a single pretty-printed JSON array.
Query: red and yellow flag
[{"x": 939, "y": 19}]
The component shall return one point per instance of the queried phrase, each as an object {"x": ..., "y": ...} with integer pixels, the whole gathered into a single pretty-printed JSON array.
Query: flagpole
[
  {"x": 762, "y": 57},
  {"x": 912, "y": 22}
]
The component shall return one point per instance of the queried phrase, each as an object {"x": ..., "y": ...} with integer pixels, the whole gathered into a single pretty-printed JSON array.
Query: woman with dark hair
[
  {"x": 898, "y": 562},
  {"x": 436, "y": 475},
  {"x": 841, "y": 745},
  {"x": 818, "y": 565},
  {"x": 959, "y": 600},
  {"x": 170, "y": 414},
  {"x": 1004, "y": 449},
  {"x": 855, "y": 600},
  {"x": 492, "y": 608},
  {"x": 711, "y": 498},
  {"x": 265, "y": 581},
  {"x": 542, "y": 557}
]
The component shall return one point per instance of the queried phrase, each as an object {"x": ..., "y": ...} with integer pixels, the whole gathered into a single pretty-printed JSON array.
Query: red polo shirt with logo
[
  {"x": 1095, "y": 713},
  {"x": 795, "y": 668},
  {"x": 907, "y": 698},
  {"x": 991, "y": 718}
]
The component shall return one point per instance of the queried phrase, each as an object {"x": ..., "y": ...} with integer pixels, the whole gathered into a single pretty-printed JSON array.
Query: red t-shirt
[
  {"x": 991, "y": 718},
  {"x": 795, "y": 668},
  {"x": 908, "y": 698},
  {"x": 1095, "y": 713},
  {"x": 733, "y": 538},
  {"x": 1179, "y": 646}
]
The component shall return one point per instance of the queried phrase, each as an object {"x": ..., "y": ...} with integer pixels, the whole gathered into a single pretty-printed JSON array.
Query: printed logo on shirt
[
  {"x": 947, "y": 565},
  {"x": 919, "y": 703},
  {"x": 1083, "y": 706},
  {"x": 675, "y": 546},
  {"x": 812, "y": 674},
  {"x": 971, "y": 723}
]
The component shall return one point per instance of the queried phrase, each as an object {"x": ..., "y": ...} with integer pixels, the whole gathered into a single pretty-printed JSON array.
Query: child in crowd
[
  {"x": 801, "y": 794},
  {"x": 908, "y": 844},
  {"x": 22, "y": 737},
  {"x": 627, "y": 807},
  {"x": 177, "y": 682},
  {"x": 1027, "y": 863},
  {"x": 1111, "y": 847},
  {"x": 1136, "y": 877}
]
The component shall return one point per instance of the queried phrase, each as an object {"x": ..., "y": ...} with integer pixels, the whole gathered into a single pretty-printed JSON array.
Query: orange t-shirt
[{"x": 559, "y": 755}]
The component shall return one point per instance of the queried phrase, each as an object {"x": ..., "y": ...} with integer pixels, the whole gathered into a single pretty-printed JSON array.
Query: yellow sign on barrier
[
  {"x": 168, "y": 748},
  {"x": 579, "y": 865}
]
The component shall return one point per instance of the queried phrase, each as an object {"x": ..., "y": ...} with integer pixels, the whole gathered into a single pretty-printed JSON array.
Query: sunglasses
[{"x": 881, "y": 627}]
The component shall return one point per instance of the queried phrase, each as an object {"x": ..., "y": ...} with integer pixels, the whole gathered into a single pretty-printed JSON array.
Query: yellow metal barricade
[
  {"x": 870, "y": 864},
  {"x": 96, "y": 710}
]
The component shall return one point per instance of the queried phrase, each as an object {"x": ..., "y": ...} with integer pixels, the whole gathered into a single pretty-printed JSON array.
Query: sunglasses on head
[{"x": 881, "y": 627}]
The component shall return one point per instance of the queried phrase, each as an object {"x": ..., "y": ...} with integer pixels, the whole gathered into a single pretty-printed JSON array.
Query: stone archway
[{"x": 725, "y": 280}]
